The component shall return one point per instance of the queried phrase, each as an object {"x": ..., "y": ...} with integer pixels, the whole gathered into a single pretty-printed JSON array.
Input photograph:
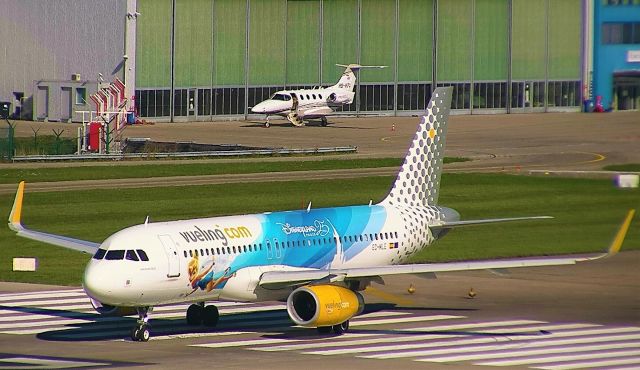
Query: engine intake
[{"x": 323, "y": 305}]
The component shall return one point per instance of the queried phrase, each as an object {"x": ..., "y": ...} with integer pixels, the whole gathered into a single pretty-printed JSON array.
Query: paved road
[{"x": 552, "y": 317}]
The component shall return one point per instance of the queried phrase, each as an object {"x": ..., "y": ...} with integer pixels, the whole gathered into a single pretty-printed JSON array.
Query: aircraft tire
[
  {"x": 324, "y": 329},
  {"x": 144, "y": 334},
  {"x": 135, "y": 333},
  {"x": 194, "y": 314},
  {"x": 323, "y": 122},
  {"x": 210, "y": 316},
  {"x": 341, "y": 328},
  {"x": 267, "y": 125}
]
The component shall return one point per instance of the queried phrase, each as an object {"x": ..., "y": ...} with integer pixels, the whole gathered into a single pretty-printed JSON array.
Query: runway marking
[
  {"x": 24, "y": 362},
  {"x": 407, "y": 334},
  {"x": 394, "y": 298}
]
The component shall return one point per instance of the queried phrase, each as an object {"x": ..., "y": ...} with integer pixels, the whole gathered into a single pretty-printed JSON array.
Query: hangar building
[{"x": 212, "y": 59}]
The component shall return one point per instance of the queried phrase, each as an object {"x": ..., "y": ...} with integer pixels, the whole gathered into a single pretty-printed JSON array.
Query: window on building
[
  {"x": 621, "y": 33},
  {"x": 81, "y": 95}
]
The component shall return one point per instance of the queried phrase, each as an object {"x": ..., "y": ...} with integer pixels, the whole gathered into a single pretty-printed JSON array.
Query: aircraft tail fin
[
  {"x": 418, "y": 181},
  {"x": 348, "y": 79}
]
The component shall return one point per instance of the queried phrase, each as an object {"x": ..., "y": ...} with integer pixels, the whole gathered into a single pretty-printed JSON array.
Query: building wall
[
  {"x": 612, "y": 58},
  {"x": 51, "y": 40},
  {"x": 228, "y": 55}
]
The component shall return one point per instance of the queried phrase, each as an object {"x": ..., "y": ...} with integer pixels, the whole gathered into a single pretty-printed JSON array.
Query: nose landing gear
[{"x": 141, "y": 332}]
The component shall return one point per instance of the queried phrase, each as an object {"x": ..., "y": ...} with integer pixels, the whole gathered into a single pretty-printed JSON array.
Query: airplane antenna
[
  {"x": 146, "y": 220},
  {"x": 309, "y": 207},
  {"x": 370, "y": 202}
]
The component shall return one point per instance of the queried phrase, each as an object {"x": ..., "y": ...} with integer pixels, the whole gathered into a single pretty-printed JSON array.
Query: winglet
[
  {"x": 15, "y": 216},
  {"x": 620, "y": 235}
]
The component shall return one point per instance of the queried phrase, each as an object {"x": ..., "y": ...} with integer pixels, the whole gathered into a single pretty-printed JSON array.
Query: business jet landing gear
[
  {"x": 198, "y": 314},
  {"x": 267, "y": 124},
  {"x": 141, "y": 332},
  {"x": 323, "y": 121}
]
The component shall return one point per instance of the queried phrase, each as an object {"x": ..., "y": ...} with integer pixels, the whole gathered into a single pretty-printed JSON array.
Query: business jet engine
[
  {"x": 345, "y": 97},
  {"x": 109, "y": 310},
  {"x": 323, "y": 305}
]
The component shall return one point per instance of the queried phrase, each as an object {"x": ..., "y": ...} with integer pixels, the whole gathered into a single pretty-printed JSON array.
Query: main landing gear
[
  {"x": 198, "y": 314},
  {"x": 141, "y": 332},
  {"x": 337, "y": 329},
  {"x": 323, "y": 121}
]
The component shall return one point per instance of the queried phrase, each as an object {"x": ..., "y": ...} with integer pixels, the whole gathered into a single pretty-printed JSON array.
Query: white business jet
[
  {"x": 317, "y": 260},
  {"x": 298, "y": 105}
]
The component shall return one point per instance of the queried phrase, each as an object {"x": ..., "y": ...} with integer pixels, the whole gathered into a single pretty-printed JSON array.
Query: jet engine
[
  {"x": 323, "y": 305},
  {"x": 108, "y": 310},
  {"x": 345, "y": 97}
]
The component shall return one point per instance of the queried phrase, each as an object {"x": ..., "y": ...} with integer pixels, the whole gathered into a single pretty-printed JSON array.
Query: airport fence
[{"x": 7, "y": 145}]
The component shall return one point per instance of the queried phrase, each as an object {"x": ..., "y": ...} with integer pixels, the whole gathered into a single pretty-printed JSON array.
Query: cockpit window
[
  {"x": 100, "y": 254},
  {"x": 131, "y": 255},
  {"x": 115, "y": 255},
  {"x": 142, "y": 254},
  {"x": 281, "y": 97}
]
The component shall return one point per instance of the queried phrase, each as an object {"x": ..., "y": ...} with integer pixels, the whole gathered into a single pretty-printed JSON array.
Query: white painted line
[
  {"x": 61, "y": 321},
  {"x": 488, "y": 352},
  {"x": 47, "y": 303},
  {"x": 356, "y": 322},
  {"x": 46, "y": 363},
  {"x": 35, "y": 331},
  {"x": 592, "y": 364},
  {"x": 560, "y": 358},
  {"x": 474, "y": 325},
  {"x": 252, "y": 309},
  {"x": 380, "y": 314},
  {"x": 199, "y": 335},
  {"x": 506, "y": 340},
  {"x": 386, "y": 339},
  {"x": 44, "y": 294},
  {"x": 241, "y": 343},
  {"x": 532, "y": 338}
]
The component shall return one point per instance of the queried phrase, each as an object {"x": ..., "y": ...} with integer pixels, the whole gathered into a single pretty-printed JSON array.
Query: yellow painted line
[
  {"x": 599, "y": 157},
  {"x": 386, "y": 138},
  {"x": 622, "y": 233},
  {"x": 389, "y": 297}
]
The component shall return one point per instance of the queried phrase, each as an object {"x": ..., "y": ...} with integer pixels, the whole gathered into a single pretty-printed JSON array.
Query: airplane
[
  {"x": 317, "y": 260},
  {"x": 297, "y": 105}
]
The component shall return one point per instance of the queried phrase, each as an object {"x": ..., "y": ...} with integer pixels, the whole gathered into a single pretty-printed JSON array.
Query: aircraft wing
[
  {"x": 15, "y": 224},
  {"x": 279, "y": 279}
]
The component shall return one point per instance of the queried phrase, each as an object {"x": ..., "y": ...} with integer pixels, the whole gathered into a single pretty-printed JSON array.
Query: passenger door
[{"x": 173, "y": 258}]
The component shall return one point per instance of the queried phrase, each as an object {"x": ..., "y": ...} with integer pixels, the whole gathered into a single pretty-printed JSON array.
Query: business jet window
[
  {"x": 115, "y": 255},
  {"x": 99, "y": 254},
  {"x": 313, "y": 95}
]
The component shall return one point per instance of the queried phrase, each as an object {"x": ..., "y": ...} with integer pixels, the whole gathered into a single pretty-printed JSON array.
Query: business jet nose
[{"x": 260, "y": 108}]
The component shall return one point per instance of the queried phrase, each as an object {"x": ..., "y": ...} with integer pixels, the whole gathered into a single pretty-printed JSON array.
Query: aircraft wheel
[
  {"x": 324, "y": 329},
  {"x": 210, "y": 316},
  {"x": 267, "y": 124},
  {"x": 323, "y": 122},
  {"x": 135, "y": 333},
  {"x": 144, "y": 334},
  {"x": 341, "y": 328},
  {"x": 194, "y": 314}
]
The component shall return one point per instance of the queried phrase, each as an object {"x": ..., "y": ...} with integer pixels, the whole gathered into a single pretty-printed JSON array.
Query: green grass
[
  {"x": 631, "y": 167},
  {"x": 185, "y": 168},
  {"x": 587, "y": 214},
  {"x": 44, "y": 144}
]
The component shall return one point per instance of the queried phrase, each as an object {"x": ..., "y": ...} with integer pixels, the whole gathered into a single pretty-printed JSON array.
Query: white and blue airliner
[{"x": 317, "y": 260}]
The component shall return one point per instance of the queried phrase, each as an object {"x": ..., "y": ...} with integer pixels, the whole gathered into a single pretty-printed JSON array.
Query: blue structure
[{"x": 616, "y": 54}]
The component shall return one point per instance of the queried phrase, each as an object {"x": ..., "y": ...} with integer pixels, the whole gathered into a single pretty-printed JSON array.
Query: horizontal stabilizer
[{"x": 452, "y": 224}]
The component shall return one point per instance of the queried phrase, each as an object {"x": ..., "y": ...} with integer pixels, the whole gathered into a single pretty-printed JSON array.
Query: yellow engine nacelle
[
  {"x": 109, "y": 310},
  {"x": 323, "y": 305}
]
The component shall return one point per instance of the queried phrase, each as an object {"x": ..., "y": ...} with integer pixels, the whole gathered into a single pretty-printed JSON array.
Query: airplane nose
[
  {"x": 96, "y": 285},
  {"x": 260, "y": 108}
]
